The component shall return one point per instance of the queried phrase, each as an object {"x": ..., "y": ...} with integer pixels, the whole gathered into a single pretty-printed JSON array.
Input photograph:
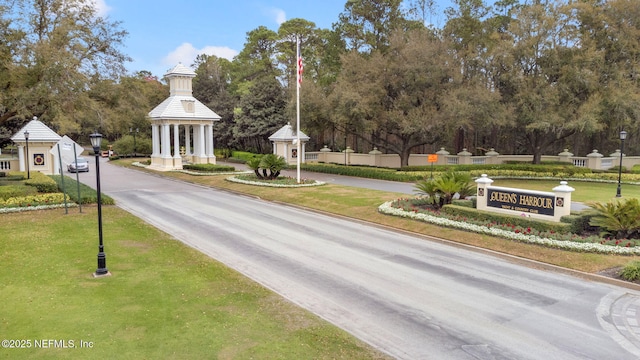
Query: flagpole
[{"x": 298, "y": 83}]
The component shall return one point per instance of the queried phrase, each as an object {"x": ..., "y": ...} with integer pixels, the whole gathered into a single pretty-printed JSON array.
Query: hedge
[
  {"x": 209, "y": 167},
  {"x": 519, "y": 221}
]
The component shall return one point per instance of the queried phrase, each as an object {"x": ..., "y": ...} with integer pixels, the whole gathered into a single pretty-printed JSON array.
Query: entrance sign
[{"x": 520, "y": 202}]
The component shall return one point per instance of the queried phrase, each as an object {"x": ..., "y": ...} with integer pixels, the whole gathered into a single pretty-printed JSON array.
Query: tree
[
  {"x": 610, "y": 34},
  {"x": 367, "y": 25},
  {"x": 543, "y": 78},
  {"x": 256, "y": 60},
  {"x": 261, "y": 113},
  {"x": 59, "y": 48},
  {"x": 397, "y": 96},
  {"x": 211, "y": 87}
]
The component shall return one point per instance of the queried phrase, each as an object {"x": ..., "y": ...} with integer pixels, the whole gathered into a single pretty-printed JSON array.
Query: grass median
[{"x": 164, "y": 300}]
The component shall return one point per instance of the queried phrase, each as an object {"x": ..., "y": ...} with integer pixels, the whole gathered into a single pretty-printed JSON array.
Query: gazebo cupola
[{"x": 181, "y": 109}]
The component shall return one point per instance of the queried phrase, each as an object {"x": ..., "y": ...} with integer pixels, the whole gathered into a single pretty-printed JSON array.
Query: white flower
[
  {"x": 201, "y": 173},
  {"x": 31, "y": 208},
  {"x": 261, "y": 183},
  {"x": 386, "y": 208}
]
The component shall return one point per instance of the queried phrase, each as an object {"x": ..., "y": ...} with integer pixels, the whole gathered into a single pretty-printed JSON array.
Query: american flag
[{"x": 300, "y": 66}]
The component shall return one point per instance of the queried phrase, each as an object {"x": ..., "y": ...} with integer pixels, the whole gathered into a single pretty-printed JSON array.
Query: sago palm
[{"x": 617, "y": 218}]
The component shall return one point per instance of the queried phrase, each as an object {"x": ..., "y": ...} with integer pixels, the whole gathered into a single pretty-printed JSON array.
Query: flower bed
[
  {"x": 33, "y": 202},
  {"x": 583, "y": 245},
  {"x": 279, "y": 182}
]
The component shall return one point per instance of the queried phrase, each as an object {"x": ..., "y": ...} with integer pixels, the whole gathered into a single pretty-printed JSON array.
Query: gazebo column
[
  {"x": 177, "y": 159},
  {"x": 209, "y": 141},
  {"x": 155, "y": 138},
  {"x": 200, "y": 148},
  {"x": 167, "y": 160},
  {"x": 187, "y": 141}
]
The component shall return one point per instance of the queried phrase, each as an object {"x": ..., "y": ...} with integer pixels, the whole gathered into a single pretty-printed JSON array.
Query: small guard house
[
  {"x": 181, "y": 112},
  {"x": 34, "y": 152},
  {"x": 284, "y": 144}
]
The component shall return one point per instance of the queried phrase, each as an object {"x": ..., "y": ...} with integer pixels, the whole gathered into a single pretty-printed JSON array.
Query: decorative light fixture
[
  {"x": 623, "y": 136},
  {"x": 96, "y": 141}
]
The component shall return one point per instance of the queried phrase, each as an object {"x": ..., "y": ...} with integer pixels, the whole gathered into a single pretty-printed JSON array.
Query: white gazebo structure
[
  {"x": 284, "y": 144},
  {"x": 181, "y": 108},
  {"x": 36, "y": 154}
]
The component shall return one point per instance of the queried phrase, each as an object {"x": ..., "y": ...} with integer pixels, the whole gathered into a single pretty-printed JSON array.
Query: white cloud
[
  {"x": 186, "y": 54},
  {"x": 279, "y": 16},
  {"x": 102, "y": 9}
]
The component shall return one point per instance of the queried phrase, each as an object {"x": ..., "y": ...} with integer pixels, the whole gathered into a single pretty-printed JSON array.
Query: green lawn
[
  {"x": 163, "y": 301},
  {"x": 585, "y": 191}
]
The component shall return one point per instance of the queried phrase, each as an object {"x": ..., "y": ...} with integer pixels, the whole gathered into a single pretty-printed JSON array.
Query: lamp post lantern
[
  {"x": 623, "y": 136},
  {"x": 96, "y": 140},
  {"x": 26, "y": 138}
]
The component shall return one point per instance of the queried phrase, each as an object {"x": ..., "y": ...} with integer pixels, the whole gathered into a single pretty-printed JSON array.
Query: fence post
[
  {"x": 442, "y": 156},
  {"x": 594, "y": 160},
  {"x": 565, "y": 156},
  {"x": 464, "y": 157}
]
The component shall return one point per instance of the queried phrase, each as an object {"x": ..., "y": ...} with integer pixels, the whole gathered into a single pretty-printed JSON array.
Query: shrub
[
  {"x": 617, "y": 218},
  {"x": 579, "y": 223},
  {"x": 9, "y": 191},
  {"x": 209, "y": 167},
  {"x": 362, "y": 171},
  {"x": 33, "y": 200},
  {"x": 3, "y": 174},
  {"x": 42, "y": 182},
  {"x": 464, "y": 203},
  {"x": 498, "y": 218},
  {"x": 442, "y": 189},
  {"x": 271, "y": 162},
  {"x": 631, "y": 271}
]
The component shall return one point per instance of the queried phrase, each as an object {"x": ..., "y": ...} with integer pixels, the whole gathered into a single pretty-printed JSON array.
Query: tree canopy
[{"x": 530, "y": 77}]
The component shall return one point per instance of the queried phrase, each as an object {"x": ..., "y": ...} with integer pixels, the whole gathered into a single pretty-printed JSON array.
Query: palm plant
[
  {"x": 442, "y": 189},
  {"x": 274, "y": 164},
  {"x": 254, "y": 164},
  {"x": 620, "y": 219}
]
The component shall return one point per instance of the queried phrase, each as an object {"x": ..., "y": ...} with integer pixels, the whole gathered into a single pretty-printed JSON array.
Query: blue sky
[{"x": 163, "y": 33}]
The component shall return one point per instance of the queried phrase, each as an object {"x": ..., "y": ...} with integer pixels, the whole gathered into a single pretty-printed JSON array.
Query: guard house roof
[
  {"x": 38, "y": 131},
  {"x": 286, "y": 133}
]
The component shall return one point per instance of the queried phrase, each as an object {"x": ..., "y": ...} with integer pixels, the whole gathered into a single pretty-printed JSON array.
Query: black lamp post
[
  {"x": 26, "y": 138},
  {"x": 623, "y": 136},
  {"x": 135, "y": 149},
  {"x": 96, "y": 140}
]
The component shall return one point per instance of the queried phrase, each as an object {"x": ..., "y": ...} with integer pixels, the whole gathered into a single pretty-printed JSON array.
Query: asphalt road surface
[{"x": 407, "y": 296}]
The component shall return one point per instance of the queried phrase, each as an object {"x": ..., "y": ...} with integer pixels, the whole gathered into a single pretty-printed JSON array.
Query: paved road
[{"x": 405, "y": 295}]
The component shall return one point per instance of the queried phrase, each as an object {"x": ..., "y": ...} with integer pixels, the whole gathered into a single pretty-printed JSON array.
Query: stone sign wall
[{"x": 537, "y": 204}]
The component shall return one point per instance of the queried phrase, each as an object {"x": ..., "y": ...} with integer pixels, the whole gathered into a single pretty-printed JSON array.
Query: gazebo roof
[
  {"x": 180, "y": 70},
  {"x": 286, "y": 133},
  {"x": 38, "y": 131},
  {"x": 181, "y": 105},
  {"x": 174, "y": 108}
]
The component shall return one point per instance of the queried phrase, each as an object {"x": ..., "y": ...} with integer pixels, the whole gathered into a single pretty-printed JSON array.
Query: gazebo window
[{"x": 189, "y": 106}]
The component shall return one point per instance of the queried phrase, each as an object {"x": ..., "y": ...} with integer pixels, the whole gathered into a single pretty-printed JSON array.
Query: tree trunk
[{"x": 404, "y": 158}]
